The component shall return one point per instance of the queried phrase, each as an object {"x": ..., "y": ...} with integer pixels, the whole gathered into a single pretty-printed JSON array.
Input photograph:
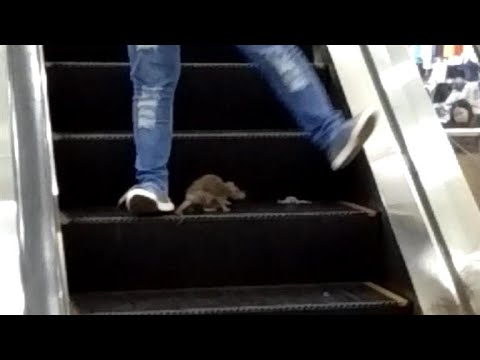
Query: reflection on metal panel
[
  {"x": 429, "y": 270},
  {"x": 6, "y": 169},
  {"x": 42, "y": 258},
  {"x": 12, "y": 301},
  {"x": 453, "y": 213}
]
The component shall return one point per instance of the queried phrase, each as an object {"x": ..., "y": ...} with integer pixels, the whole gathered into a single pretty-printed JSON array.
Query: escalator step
[
  {"x": 97, "y": 97},
  {"x": 345, "y": 299},
  {"x": 116, "y": 53},
  {"x": 255, "y": 244},
  {"x": 227, "y": 122},
  {"x": 269, "y": 166}
]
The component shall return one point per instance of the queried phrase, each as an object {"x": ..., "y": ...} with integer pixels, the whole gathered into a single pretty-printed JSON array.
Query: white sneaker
[{"x": 145, "y": 199}]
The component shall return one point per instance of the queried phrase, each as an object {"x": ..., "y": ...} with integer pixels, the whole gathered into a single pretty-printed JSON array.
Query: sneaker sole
[
  {"x": 359, "y": 136},
  {"x": 141, "y": 203}
]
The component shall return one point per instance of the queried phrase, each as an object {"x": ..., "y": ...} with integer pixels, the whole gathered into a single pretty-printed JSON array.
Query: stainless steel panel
[
  {"x": 42, "y": 258},
  {"x": 445, "y": 188},
  {"x": 431, "y": 275},
  {"x": 12, "y": 298}
]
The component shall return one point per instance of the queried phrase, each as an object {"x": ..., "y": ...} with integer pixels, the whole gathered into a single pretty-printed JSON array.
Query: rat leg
[
  {"x": 223, "y": 203},
  {"x": 211, "y": 204}
]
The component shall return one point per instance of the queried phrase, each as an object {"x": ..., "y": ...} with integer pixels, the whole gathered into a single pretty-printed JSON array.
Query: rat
[{"x": 211, "y": 193}]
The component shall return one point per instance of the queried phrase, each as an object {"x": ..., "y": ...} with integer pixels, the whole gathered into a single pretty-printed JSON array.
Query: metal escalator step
[
  {"x": 269, "y": 166},
  {"x": 227, "y": 122},
  {"x": 342, "y": 298},
  {"x": 97, "y": 97},
  {"x": 258, "y": 243},
  {"x": 109, "y": 53}
]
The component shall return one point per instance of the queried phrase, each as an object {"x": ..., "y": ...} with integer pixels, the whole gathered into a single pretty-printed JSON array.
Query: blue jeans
[{"x": 155, "y": 70}]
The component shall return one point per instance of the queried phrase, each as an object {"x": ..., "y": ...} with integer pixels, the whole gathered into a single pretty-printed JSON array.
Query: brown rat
[{"x": 211, "y": 193}]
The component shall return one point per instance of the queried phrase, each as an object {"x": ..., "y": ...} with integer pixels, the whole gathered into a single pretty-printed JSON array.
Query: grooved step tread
[
  {"x": 91, "y": 97},
  {"x": 185, "y": 65},
  {"x": 344, "y": 298},
  {"x": 185, "y": 135},
  {"x": 267, "y": 165},
  {"x": 240, "y": 211},
  {"x": 204, "y": 52},
  {"x": 258, "y": 243}
]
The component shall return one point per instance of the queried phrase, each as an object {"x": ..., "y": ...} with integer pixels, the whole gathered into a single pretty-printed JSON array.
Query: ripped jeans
[{"x": 155, "y": 71}]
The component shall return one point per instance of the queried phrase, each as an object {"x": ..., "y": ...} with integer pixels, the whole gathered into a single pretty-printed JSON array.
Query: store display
[{"x": 451, "y": 75}]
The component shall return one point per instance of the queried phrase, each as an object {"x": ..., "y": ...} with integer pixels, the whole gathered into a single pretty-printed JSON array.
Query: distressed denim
[{"x": 155, "y": 71}]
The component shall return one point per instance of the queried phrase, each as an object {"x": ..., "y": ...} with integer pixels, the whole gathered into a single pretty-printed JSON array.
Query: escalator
[{"x": 334, "y": 255}]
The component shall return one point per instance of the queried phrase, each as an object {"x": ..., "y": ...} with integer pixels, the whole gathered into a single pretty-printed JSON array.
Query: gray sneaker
[
  {"x": 146, "y": 199},
  {"x": 351, "y": 138}
]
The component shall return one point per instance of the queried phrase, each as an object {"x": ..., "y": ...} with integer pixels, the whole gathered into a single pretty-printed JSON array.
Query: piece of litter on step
[
  {"x": 326, "y": 294},
  {"x": 292, "y": 200},
  {"x": 64, "y": 219}
]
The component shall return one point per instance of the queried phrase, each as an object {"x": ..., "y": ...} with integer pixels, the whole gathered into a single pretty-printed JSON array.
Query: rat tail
[{"x": 185, "y": 205}]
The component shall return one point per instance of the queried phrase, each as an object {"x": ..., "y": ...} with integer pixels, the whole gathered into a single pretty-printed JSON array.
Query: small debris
[
  {"x": 64, "y": 219},
  {"x": 292, "y": 200}
]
